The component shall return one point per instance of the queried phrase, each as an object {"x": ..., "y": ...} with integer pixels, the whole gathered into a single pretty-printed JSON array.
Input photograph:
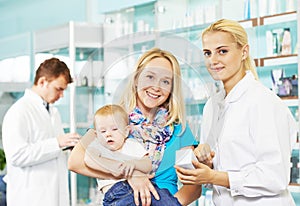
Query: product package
[{"x": 184, "y": 158}]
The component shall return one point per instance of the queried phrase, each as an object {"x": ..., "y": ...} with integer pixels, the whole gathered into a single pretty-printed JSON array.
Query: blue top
[{"x": 165, "y": 176}]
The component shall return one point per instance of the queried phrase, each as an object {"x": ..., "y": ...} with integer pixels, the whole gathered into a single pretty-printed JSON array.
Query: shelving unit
[
  {"x": 277, "y": 60},
  {"x": 289, "y": 63}
]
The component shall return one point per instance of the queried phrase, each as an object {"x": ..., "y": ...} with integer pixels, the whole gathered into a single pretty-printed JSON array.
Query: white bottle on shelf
[
  {"x": 273, "y": 7},
  {"x": 286, "y": 42},
  {"x": 263, "y": 7},
  {"x": 289, "y": 5}
]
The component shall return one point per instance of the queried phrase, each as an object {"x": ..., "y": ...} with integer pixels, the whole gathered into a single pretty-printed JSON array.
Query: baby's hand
[
  {"x": 127, "y": 168},
  {"x": 204, "y": 154}
]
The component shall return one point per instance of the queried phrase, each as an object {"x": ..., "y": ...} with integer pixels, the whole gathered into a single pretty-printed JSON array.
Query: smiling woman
[
  {"x": 154, "y": 84},
  {"x": 154, "y": 101}
]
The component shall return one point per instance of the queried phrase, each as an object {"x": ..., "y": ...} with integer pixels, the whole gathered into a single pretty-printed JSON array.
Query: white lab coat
[
  {"x": 36, "y": 167},
  {"x": 251, "y": 131}
]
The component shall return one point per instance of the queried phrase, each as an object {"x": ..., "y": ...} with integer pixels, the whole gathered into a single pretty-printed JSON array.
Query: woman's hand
[
  {"x": 204, "y": 154},
  {"x": 201, "y": 175},
  {"x": 126, "y": 168},
  {"x": 142, "y": 188}
]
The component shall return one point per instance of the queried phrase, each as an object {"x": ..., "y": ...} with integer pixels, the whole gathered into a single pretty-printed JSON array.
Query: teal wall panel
[
  {"x": 17, "y": 45},
  {"x": 21, "y": 16},
  {"x": 115, "y": 5}
]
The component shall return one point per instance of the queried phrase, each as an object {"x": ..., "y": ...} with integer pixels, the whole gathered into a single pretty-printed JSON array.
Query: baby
[{"x": 111, "y": 144}]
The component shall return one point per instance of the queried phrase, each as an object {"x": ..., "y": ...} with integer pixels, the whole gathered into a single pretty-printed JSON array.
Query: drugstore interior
[{"x": 100, "y": 42}]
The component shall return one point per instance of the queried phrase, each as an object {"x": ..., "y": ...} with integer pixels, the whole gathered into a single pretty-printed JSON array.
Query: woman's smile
[{"x": 154, "y": 96}]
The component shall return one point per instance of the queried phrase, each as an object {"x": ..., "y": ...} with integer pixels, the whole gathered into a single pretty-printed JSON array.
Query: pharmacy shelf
[
  {"x": 277, "y": 60},
  {"x": 278, "y": 18},
  {"x": 291, "y": 101},
  {"x": 294, "y": 187},
  {"x": 14, "y": 86}
]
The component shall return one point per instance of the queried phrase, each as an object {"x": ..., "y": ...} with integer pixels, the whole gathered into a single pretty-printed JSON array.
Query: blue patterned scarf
[{"x": 152, "y": 135}]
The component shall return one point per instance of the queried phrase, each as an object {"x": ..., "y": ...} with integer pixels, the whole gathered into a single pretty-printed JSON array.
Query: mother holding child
[{"x": 157, "y": 119}]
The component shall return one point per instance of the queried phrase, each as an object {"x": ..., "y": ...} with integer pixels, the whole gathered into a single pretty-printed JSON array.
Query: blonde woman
[
  {"x": 249, "y": 128},
  {"x": 154, "y": 101}
]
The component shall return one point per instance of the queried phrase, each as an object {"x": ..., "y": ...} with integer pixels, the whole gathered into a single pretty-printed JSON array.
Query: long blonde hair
[
  {"x": 175, "y": 103},
  {"x": 240, "y": 36}
]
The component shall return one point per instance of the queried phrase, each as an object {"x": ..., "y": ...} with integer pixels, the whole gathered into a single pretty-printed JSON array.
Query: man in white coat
[{"x": 33, "y": 141}]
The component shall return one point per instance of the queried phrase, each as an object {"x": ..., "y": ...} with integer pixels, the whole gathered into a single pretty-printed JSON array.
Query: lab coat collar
[
  {"x": 220, "y": 101},
  {"x": 34, "y": 96},
  {"x": 240, "y": 88}
]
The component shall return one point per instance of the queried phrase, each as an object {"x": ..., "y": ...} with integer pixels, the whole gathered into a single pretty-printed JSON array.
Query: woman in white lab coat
[
  {"x": 247, "y": 125},
  {"x": 33, "y": 139}
]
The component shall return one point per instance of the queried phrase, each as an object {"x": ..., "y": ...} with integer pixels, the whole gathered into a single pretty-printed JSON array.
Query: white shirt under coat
[
  {"x": 36, "y": 167},
  {"x": 252, "y": 135}
]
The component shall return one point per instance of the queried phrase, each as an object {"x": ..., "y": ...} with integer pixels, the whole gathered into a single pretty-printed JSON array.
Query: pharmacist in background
[
  {"x": 33, "y": 141},
  {"x": 249, "y": 128}
]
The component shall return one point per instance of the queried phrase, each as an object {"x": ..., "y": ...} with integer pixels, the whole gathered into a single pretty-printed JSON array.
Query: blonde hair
[
  {"x": 175, "y": 103},
  {"x": 112, "y": 109},
  {"x": 239, "y": 35}
]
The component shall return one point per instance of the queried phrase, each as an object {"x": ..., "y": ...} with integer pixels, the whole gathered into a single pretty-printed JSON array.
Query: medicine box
[{"x": 184, "y": 158}]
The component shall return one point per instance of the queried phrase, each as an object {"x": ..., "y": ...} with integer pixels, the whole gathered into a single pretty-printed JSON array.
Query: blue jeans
[{"x": 121, "y": 194}]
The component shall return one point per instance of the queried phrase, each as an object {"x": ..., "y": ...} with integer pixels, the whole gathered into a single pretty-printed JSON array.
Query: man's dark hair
[{"x": 52, "y": 69}]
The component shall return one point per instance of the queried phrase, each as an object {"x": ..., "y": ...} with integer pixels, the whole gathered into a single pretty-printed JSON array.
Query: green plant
[{"x": 2, "y": 160}]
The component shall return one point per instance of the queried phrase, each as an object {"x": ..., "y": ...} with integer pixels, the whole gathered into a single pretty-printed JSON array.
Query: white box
[{"x": 184, "y": 158}]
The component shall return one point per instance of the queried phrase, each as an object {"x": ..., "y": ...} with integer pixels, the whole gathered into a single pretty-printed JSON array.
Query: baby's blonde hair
[{"x": 112, "y": 109}]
